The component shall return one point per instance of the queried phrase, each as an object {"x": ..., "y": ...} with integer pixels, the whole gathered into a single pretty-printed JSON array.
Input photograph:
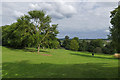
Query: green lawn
[{"x": 60, "y": 64}]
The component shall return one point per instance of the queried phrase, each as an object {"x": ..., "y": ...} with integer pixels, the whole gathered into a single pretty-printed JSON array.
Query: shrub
[{"x": 98, "y": 50}]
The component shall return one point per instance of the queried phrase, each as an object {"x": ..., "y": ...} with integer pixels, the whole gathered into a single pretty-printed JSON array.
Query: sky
[{"x": 86, "y": 20}]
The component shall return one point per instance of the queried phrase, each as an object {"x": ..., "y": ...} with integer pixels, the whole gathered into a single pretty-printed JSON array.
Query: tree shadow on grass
[
  {"x": 92, "y": 56},
  {"x": 33, "y": 50},
  {"x": 24, "y": 69},
  {"x": 27, "y": 49},
  {"x": 30, "y": 50}
]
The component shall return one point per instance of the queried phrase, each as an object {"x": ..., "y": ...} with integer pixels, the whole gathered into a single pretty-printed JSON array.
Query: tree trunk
[{"x": 38, "y": 48}]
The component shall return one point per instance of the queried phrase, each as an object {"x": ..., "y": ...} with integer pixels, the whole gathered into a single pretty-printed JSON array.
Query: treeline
[{"x": 96, "y": 46}]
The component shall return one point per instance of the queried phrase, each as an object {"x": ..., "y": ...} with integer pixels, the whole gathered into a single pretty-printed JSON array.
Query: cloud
[
  {"x": 18, "y": 13},
  {"x": 107, "y": 31},
  {"x": 58, "y": 10},
  {"x": 60, "y": 0},
  {"x": 56, "y": 15},
  {"x": 34, "y": 6},
  {"x": 82, "y": 19}
]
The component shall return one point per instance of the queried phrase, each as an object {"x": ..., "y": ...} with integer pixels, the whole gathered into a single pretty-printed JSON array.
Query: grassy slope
[{"x": 62, "y": 63}]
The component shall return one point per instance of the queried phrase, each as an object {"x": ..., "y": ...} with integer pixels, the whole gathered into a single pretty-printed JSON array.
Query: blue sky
[{"x": 86, "y": 20}]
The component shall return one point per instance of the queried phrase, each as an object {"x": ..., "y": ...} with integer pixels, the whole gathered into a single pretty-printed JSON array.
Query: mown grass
[{"x": 27, "y": 63}]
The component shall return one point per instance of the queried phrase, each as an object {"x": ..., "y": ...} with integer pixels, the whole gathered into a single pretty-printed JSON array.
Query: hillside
[{"x": 57, "y": 63}]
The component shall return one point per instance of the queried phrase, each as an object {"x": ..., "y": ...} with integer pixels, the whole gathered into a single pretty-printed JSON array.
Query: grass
[{"x": 27, "y": 63}]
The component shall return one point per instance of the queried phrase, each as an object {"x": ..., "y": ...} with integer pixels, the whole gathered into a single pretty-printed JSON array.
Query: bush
[{"x": 98, "y": 50}]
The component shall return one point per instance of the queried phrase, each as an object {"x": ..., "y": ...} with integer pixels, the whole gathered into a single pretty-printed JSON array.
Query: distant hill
[{"x": 82, "y": 39}]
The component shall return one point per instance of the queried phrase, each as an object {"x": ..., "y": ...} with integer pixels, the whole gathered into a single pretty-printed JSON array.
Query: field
[{"x": 56, "y": 63}]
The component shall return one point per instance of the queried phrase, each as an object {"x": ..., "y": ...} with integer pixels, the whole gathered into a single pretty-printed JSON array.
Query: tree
[
  {"x": 94, "y": 44},
  {"x": 83, "y": 45},
  {"x": 109, "y": 49},
  {"x": 19, "y": 34},
  {"x": 33, "y": 29},
  {"x": 60, "y": 43},
  {"x": 74, "y": 45},
  {"x": 97, "y": 43},
  {"x": 76, "y": 38},
  {"x": 115, "y": 28},
  {"x": 66, "y": 42},
  {"x": 98, "y": 50},
  {"x": 55, "y": 44},
  {"x": 91, "y": 48},
  {"x": 42, "y": 26}
]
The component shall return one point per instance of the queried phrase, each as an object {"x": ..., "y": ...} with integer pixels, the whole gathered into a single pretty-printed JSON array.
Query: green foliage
[
  {"x": 66, "y": 43},
  {"x": 55, "y": 44},
  {"x": 60, "y": 43},
  {"x": 97, "y": 43},
  {"x": 98, "y": 50},
  {"x": 91, "y": 48},
  {"x": 76, "y": 38},
  {"x": 74, "y": 45},
  {"x": 115, "y": 28},
  {"x": 83, "y": 45},
  {"x": 30, "y": 30},
  {"x": 19, "y": 34},
  {"x": 94, "y": 44},
  {"x": 66, "y": 37},
  {"x": 43, "y": 27},
  {"x": 51, "y": 44},
  {"x": 109, "y": 48}
]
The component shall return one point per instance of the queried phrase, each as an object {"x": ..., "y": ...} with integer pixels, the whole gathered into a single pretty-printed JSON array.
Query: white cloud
[
  {"x": 18, "y": 13},
  {"x": 107, "y": 31},
  {"x": 60, "y": 0},
  {"x": 34, "y": 6},
  {"x": 56, "y": 15},
  {"x": 75, "y": 19},
  {"x": 58, "y": 10}
]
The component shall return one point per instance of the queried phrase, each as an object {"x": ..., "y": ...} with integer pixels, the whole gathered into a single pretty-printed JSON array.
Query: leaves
[
  {"x": 115, "y": 28},
  {"x": 30, "y": 30}
]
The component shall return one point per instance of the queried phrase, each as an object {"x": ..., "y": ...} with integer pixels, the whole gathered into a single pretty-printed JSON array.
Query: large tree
[
  {"x": 66, "y": 42},
  {"x": 94, "y": 44},
  {"x": 115, "y": 28},
  {"x": 74, "y": 45},
  {"x": 19, "y": 34},
  {"x": 42, "y": 26},
  {"x": 83, "y": 45},
  {"x": 33, "y": 29}
]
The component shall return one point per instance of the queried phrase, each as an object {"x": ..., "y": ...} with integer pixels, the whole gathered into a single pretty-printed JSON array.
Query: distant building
[{"x": 119, "y": 3}]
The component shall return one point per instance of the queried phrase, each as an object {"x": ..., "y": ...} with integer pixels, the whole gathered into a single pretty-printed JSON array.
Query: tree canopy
[
  {"x": 74, "y": 45},
  {"x": 34, "y": 29},
  {"x": 115, "y": 28}
]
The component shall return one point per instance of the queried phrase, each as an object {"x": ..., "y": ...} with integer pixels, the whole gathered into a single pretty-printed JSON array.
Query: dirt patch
[{"x": 46, "y": 54}]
